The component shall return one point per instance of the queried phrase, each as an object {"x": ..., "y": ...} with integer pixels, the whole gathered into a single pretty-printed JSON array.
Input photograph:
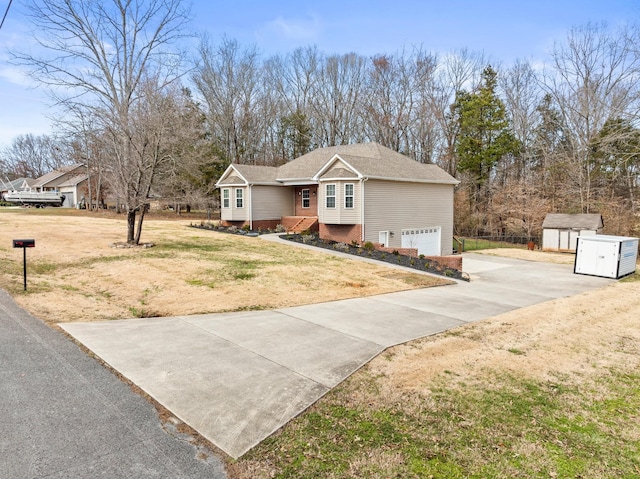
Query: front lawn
[{"x": 74, "y": 273}]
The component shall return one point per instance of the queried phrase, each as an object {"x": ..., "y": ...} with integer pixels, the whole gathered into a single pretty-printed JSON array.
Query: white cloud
[{"x": 293, "y": 29}]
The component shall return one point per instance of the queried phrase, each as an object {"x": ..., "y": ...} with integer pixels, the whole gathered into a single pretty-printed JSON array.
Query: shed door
[
  {"x": 564, "y": 240},
  {"x": 426, "y": 240},
  {"x": 573, "y": 239},
  {"x": 597, "y": 258}
]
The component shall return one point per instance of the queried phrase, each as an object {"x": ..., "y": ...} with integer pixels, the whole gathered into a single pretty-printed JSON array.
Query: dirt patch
[{"x": 563, "y": 339}]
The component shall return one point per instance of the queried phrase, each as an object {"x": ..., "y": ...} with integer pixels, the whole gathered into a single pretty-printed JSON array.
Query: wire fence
[{"x": 466, "y": 243}]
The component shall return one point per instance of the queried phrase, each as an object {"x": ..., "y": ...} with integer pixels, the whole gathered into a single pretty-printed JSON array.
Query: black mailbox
[{"x": 24, "y": 243}]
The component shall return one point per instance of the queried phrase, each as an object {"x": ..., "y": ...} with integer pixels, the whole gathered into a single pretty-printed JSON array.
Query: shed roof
[{"x": 573, "y": 221}]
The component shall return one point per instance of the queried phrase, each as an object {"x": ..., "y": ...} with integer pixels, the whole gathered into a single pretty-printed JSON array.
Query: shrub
[
  {"x": 396, "y": 252},
  {"x": 421, "y": 256},
  {"x": 368, "y": 245},
  {"x": 280, "y": 229},
  {"x": 245, "y": 228}
]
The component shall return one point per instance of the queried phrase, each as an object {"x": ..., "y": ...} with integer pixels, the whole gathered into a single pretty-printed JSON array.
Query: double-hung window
[
  {"x": 239, "y": 198},
  {"x": 226, "y": 198},
  {"x": 306, "y": 198},
  {"x": 330, "y": 196},
  {"x": 348, "y": 195}
]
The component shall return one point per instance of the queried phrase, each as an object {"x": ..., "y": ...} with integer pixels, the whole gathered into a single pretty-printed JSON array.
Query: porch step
[{"x": 304, "y": 224}]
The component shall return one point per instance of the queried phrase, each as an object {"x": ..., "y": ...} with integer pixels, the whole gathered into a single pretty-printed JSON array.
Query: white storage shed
[
  {"x": 606, "y": 256},
  {"x": 560, "y": 231}
]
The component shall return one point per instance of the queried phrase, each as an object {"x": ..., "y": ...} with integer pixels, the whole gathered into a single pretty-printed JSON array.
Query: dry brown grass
[{"x": 76, "y": 275}]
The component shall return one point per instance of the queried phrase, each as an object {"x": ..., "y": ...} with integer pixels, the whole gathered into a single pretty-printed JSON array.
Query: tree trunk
[
  {"x": 139, "y": 228},
  {"x": 131, "y": 225}
]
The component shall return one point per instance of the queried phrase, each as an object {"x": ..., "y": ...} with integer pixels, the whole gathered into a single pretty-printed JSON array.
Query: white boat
[{"x": 37, "y": 199}]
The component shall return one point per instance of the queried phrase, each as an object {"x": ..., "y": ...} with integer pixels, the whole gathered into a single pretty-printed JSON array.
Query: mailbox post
[{"x": 24, "y": 244}]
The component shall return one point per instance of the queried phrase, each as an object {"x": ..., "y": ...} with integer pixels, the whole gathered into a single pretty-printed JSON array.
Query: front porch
[{"x": 298, "y": 224}]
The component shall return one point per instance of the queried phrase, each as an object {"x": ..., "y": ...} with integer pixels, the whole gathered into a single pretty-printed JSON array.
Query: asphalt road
[{"x": 64, "y": 415}]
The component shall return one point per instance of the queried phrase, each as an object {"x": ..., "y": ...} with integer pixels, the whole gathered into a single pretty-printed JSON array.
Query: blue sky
[{"x": 505, "y": 30}]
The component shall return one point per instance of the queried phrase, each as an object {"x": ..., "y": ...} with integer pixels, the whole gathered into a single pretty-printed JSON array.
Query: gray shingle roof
[
  {"x": 49, "y": 178},
  {"x": 73, "y": 181},
  {"x": 258, "y": 174},
  {"x": 369, "y": 159},
  {"x": 577, "y": 221}
]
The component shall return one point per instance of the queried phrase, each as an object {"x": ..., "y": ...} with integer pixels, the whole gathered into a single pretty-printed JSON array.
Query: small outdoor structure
[
  {"x": 561, "y": 231},
  {"x": 606, "y": 256}
]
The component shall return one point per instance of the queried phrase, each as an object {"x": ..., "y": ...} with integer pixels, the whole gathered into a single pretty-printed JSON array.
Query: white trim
[
  {"x": 226, "y": 174},
  {"x": 326, "y": 166}
]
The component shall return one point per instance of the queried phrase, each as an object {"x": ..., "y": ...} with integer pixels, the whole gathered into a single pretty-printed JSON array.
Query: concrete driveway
[{"x": 238, "y": 377}]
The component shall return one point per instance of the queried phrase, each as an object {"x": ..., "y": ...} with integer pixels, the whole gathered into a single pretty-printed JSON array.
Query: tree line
[{"x": 523, "y": 139}]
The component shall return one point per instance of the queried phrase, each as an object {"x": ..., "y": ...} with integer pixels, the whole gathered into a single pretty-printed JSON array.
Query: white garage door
[{"x": 427, "y": 240}]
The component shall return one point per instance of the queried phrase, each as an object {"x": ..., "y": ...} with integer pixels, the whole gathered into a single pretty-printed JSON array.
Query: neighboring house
[
  {"x": 68, "y": 181},
  {"x": 73, "y": 190},
  {"x": 362, "y": 192},
  {"x": 560, "y": 231}
]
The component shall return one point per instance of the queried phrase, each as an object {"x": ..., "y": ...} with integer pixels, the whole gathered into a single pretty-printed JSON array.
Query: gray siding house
[
  {"x": 560, "y": 231},
  {"x": 361, "y": 192}
]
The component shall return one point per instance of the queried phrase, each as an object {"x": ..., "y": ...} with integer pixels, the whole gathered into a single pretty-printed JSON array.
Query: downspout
[
  {"x": 250, "y": 208},
  {"x": 362, "y": 228}
]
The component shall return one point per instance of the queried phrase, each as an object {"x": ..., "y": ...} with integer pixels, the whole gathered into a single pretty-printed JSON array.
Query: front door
[{"x": 383, "y": 238}]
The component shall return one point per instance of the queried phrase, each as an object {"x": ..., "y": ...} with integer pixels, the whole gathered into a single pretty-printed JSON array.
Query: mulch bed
[{"x": 422, "y": 264}]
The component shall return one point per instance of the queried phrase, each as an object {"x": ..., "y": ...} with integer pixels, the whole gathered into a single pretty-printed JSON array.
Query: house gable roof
[
  {"x": 577, "y": 221},
  {"x": 48, "y": 180},
  {"x": 73, "y": 181},
  {"x": 370, "y": 160},
  {"x": 237, "y": 174}
]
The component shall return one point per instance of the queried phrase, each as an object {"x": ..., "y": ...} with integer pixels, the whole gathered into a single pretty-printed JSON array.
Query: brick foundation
[
  {"x": 453, "y": 261},
  {"x": 341, "y": 233}
]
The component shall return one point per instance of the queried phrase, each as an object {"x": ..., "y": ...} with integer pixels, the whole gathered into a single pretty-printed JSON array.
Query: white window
[
  {"x": 348, "y": 195},
  {"x": 306, "y": 198},
  {"x": 239, "y": 198},
  {"x": 225, "y": 198},
  {"x": 330, "y": 196}
]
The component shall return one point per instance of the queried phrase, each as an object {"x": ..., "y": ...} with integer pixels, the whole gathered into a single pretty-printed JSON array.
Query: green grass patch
[
  {"x": 475, "y": 244},
  {"x": 502, "y": 427}
]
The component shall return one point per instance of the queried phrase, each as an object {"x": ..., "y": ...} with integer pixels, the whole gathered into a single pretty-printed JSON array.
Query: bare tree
[
  {"x": 593, "y": 79},
  {"x": 31, "y": 156},
  {"x": 521, "y": 93},
  {"x": 336, "y": 99},
  {"x": 100, "y": 55},
  {"x": 229, "y": 79},
  {"x": 457, "y": 71}
]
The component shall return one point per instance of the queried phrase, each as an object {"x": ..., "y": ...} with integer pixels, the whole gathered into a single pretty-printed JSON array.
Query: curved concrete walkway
[{"x": 238, "y": 377}]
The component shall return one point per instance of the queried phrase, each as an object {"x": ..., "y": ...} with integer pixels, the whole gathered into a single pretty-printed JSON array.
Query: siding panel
[
  {"x": 271, "y": 202},
  {"x": 394, "y": 206}
]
